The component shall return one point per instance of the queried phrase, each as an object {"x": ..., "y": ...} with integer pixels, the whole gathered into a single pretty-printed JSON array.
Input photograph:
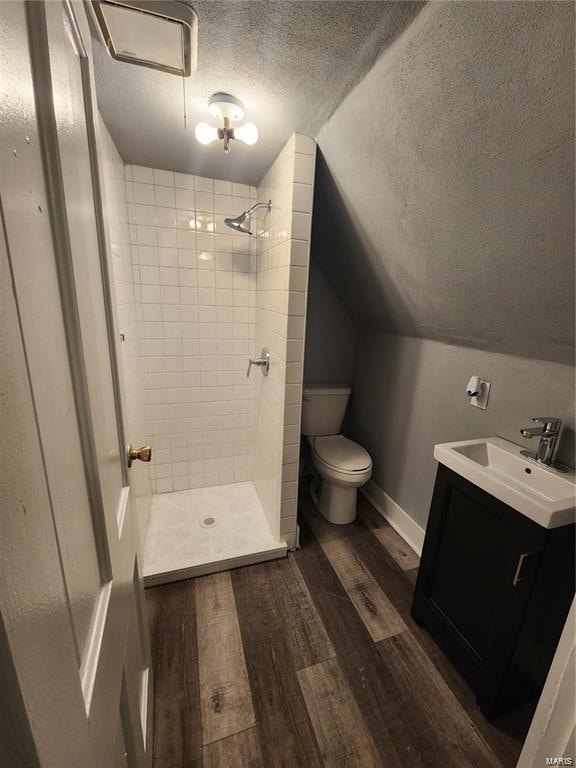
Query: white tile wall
[
  {"x": 281, "y": 289},
  {"x": 127, "y": 314},
  {"x": 195, "y": 284}
]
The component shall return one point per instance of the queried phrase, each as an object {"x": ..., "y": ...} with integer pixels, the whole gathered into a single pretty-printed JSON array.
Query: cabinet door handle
[{"x": 517, "y": 575}]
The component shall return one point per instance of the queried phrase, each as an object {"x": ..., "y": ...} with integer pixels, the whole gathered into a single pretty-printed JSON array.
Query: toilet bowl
[{"x": 341, "y": 466}]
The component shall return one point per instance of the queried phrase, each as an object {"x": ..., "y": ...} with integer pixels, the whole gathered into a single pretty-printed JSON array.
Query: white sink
[{"x": 544, "y": 495}]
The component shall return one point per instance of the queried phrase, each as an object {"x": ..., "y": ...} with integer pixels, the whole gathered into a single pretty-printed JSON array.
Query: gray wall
[
  {"x": 330, "y": 333},
  {"x": 444, "y": 220},
  {"x": 408, "y": 394},
  {"x": 445, "y": 192}
]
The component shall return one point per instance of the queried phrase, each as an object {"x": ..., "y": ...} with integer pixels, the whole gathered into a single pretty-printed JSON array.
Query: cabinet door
[{"x": 479, "y": 560}]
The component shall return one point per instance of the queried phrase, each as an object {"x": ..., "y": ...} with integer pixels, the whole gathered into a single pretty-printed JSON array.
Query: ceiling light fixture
[{"x": 228, "y": 109}]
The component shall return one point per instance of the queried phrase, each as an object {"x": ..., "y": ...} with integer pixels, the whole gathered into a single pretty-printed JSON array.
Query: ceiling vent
[{"x": 160, "y": 34}]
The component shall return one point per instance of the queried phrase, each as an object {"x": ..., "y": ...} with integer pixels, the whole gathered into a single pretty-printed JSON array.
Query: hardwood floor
[
  {"x": 225, "y": 696},
  {"x": 313, "y": 662}
]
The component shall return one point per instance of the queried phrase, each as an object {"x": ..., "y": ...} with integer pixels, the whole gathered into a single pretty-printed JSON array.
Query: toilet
[{"x": 340, "y": 465}]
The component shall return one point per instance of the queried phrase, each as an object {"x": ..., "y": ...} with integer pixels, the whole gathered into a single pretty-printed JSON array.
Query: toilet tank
[{"x": 323, "y": 408}]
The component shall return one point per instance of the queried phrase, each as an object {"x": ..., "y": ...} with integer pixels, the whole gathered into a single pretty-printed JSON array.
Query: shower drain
[{"x": 208, "y": 522}]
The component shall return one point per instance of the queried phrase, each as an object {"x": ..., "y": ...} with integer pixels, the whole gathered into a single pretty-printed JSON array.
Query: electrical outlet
[{"x": 481, "y": 399}]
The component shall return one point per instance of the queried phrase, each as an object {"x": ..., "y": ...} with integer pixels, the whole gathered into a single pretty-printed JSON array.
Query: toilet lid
[{"x": 343, "y": 454}]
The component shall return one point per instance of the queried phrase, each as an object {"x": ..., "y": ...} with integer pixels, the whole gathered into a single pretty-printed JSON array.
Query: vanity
[{"x": 497, "y": 573}]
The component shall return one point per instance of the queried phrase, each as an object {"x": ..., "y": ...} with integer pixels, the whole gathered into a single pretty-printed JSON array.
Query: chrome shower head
[
  {"x": 242, "y": 222},
  {"x": 238, "y": 223}
]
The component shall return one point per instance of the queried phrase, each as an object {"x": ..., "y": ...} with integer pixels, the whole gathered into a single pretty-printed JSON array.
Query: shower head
[{"x": 242, "y": 222}]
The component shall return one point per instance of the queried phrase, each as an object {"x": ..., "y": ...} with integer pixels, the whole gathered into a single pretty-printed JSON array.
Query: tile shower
[
  {"x": 196, "y": 285},
  {"x": 194, "y": 301}
]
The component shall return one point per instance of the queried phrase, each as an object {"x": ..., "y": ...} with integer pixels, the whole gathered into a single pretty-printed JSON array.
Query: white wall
[
  {"x": 195, "y": 282},
  {"x": 127, "y": 311},
  {"x": 282, "y": 277},
  {"x": 553, "y": 728}
]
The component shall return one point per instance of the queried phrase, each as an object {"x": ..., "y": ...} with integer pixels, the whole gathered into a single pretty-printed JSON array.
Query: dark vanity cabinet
[{"x": 494, "y": 588}]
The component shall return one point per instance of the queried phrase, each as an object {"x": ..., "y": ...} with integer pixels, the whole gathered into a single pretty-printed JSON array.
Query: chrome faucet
[{"x": 548, "y": 434}]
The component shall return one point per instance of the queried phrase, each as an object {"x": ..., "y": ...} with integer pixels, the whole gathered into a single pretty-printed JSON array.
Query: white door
[{"x": 71, "y": 596}]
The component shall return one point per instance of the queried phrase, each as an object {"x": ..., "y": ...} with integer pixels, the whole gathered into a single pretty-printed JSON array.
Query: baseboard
[{"x": 400, "y": 520}]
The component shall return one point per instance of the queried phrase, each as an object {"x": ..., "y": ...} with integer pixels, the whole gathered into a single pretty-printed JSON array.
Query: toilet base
[{"x": 334, "y": 502}]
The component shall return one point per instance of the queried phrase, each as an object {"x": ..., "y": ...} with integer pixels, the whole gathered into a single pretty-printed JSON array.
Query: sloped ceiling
[
  {"x": 444, "y": 204},
  {"x": 291, "y": 63}
]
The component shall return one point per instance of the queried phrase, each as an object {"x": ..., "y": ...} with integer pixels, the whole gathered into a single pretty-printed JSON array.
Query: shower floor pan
[{"x": 205, "y": 530}]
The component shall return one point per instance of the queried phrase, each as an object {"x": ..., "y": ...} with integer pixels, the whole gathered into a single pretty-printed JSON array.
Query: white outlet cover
[{"x": 481, "y": 400}]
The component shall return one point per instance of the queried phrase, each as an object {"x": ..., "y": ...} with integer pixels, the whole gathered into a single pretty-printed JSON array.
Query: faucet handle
[
  {"x": 263, "y": 362},
  {"x": 551, "y": 423}
]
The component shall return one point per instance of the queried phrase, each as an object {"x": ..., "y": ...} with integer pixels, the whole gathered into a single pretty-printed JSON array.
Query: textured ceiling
[
  {"x": 291, "y": 63},
  {"x": 455, "y": 220}
]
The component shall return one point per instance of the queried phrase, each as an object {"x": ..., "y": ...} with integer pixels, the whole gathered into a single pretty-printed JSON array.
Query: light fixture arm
[{"x": 225, "y": 134}]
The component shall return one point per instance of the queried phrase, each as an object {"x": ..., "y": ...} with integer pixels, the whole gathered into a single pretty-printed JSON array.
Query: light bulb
[
  {"x": 248, "y": 133},
  {"x": 206, "y": 133}
]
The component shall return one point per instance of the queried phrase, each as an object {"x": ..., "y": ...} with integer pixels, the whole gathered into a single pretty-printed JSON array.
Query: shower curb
[{"x": 204, "y": 569}]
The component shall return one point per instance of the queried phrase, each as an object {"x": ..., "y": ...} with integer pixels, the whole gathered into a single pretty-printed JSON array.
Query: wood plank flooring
[
  {"x": 313, "y": 662},
  {"x": 373, "y": 607},
  {"x": 225, "y": 696},
  {"x": 174, "y": 650},
  {"x": 240, "y": 750},
  {"x": 342, "y": 734},
  {"x": 406, "y": 558}
]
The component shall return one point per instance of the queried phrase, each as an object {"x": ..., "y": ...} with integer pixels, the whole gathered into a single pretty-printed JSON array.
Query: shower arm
[
  {"x": 253, "y": 208},
  {"x": 242, "y": 222}
]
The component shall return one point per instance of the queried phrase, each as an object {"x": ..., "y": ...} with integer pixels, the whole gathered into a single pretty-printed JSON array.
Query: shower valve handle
[{"x": 263, "y": 362}]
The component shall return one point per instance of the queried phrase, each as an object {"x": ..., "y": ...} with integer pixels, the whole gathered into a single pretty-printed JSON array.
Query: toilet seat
[
  {"x": 344, "y": 456},
  {"x": 341, "y": 462}
]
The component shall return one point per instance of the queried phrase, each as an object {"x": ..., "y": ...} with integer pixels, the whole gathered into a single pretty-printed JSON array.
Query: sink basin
[{"x": 497, "y": 466}]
